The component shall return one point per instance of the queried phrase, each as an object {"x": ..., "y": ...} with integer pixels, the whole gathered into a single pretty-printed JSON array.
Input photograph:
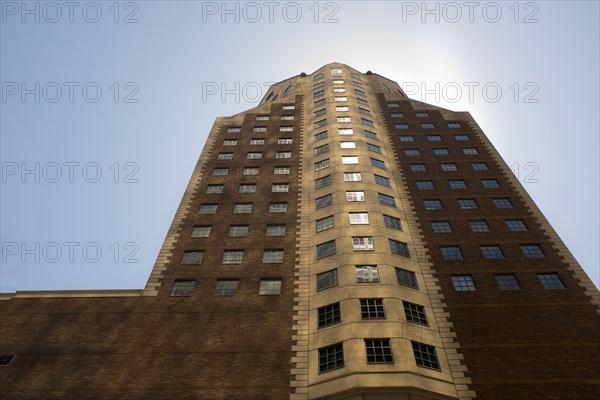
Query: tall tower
[{"x": 338, "y": 241}]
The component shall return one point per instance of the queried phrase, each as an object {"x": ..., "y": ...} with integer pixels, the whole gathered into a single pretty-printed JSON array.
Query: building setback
[{"x": 338, "y": 241}]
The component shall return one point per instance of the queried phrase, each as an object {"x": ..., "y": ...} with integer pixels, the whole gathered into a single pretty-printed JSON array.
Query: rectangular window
[
  {"x": 329, "y": 315},
  {"x": 352, "y": 177},
  {"x": 342, "y": 108},
  {"x": 242, "y": 208},
  {"x": 479, "y": 166},
  {"x": 418, "y": 167},
  {"x": 215, "y": 189},
  {"x": 327, "y": 280},
  {"x": 377, "y": 163},
  {"x": 502, "y": 203},
  {"x": 507, "y": 282},
  {"x": 341, "y": 98},
  {"x": 284, "y": 141},
  {"x": 364, "y": 111},
  {"x": 373, "y": 148},
  {"x": 428, "y": 126},
  {"x": 532, "y": 251},
  {"x": 319, "y": 102},
  {"x": 386, "y": 200},
  {"x": 321, "y": 149},
  {"x": 288, "y": 107},
  {"x": 322, "y": 182},
  {"x": 323, "y": 201},
  {"x": 371, "y": 135},
  {"x": 382, "y": 180},
  {"x": 226, "y": 287},
  {"x": 331, "y": 357},
  {"x": 345, "y": 131},
  {"x": 372, "y": 309},
  {"x": 362, "y": 243},
  {"x": 251, "y": 171},
  {"x": 359, "y": 218},
  {"x": 325, "y": 250},
  {"x": 355, "y": 76},
  {"x": 493, "y": 252},
  {"x": 318, "y": 77},
  {"x": 321, "y": 136},
  {"x": 283, "y": 154},
  {"x": 192, "y": 257},
  {"x": 407, "y": 278},
  {"x": 399, "y": 248},
  {"x": 257, "y": 142},
  {"x": 230, "y": 142},
  {"x": 286, "y": 128},
  {"x": 367, "y": 122},
  {"x": 433, "y": 204},
  {"x": 470, "y": 151},
  {"x": 262, "y": 117},
  {"x": 320, "y": 112},
  {"x": 401, "y": 126},
  {"x": 362, "y": 101},
  {"x": 225, "y": 156},
  {"x": 415, "y": 313},
  {"x": 551, "y": 281},
  {"x": 451, "y": 252},
  {"x": 406, "y": 138},
  {"x": 461, "y": 138},
  {"x": 336, "y": 72},
  {"x": 201, "y": 231},
  {"x": 422, "y": 115},
  {"x": 277, "y": 207},
  {"x": 324, "y": 224},
  {"x": 287, "y": 117},
  {"x": 454, "y": 125},
  {"x": 516, "y": 225},
  {"x": 412, "y": 152},
  {"x": 441, "y": 227},
  {"x": 281, "y": 170},
  {"x": 393, "y": 105},
  {"x": 319, "y": 165},
  {"x": 344, "y": 119},
  {"x": 466, "y": 204},
  {"x": 441, "y": 152},
  {"x": 272, "y": 256},
  {"x": 234, "y": 130},
  {"x": 349, "y": 160},
  {"x": 347, "y": 145},
  {"x": 367, "y": 274},
  {"x": 318, "y": 93},
  {"x": 320, "y": 124},
  {"x": 425, "y": 356},
  {"x": 479, "y": 226},
  {"x": 5, "y": 360},
  {"x": 232, "y": 257},
  {"x": 259, "y": 129},
  {"x": 238, "y": 230},
  {"x": 357, "y": 84},
  {"x": 434, "y": 138},
  {"x": 457, "y": 184},
  {"x": 449, "y": 167},
  {"x": 463, "y": 283},
  {"x": 392, "y": 222},
  {"x": 280, "y": 187},
  {"x": 379, "y": 351},
  {"x": 397, "y": 115},
  {"x": 183, "y": 288},
  {"x": 425, "y": 185},
  {"x": 490, "y": 183},
  {"x": 247, "y": 188},
  {"x": 359, "y": 92},
  {"x": 208, "y": 209},
  {"x": 269, "y": 287},
  {"x": 355, "y": 196},
  {"x": 254, "y": 156}
]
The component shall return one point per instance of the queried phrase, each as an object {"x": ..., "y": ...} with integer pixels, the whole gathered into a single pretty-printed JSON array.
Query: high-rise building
[{"x": 338, "y": 241}]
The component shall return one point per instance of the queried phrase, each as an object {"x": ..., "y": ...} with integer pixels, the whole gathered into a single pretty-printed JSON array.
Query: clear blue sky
[{"x": 146, "y": 128}]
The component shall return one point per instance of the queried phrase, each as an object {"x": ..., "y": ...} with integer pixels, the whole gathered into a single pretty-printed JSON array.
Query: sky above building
[{"x": 106, "y": 107}]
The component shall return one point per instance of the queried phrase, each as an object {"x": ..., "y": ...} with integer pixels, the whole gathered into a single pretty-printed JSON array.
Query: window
[
  {"x": 532, "y": 251},
  {"x": 5, "y": 360},
  {"x": 257, "y": 142},
  {"x": 336, "y": 72},
  {"x": 254, "y": 156},
  {"x": 461, "y": 138},
  {"x": 493, "y": 252},
  {"x": 352, "y": 177},
  {"x": 281, "y": 170},
  {"x": 397, "y": 115},
  {"x": 284, "y": 141},
  {"x": 507, "y": 282},
  {"x": 192, "y": 257},
  {"x": 467, "y": 204},
  {"x": 401, "y": 126},
  {"x": 280, "y": 187},
  {"x": 318, "y": 77},
  {"x": 448, "y": 167},
  {"x": 470, "y": 151},
  {"x": 367, "y": 122},
  {"x": 278, "y": 207},
  {"x": 321, "y": 149},
  {"x": 318, "y": 93},
  {"x": 418, "y": 167},
  {"x": 457, "y": 184},
  {"x": 341, "y": 98},
  {"x": 272, "y": 256},
  {"x": 382, "y": 180},
  {"x": 283, "y": 154},
  {"x": 371, "y": 135},
  {"x": 415, "y": 313},
  {"x": 208, "y": 208},
  {"x": 407, "y": 278},
  {"x": 349, "y": 160},
  {"x": 238, "y": 230},
  {"x": 463, "y": 283},
  {"x": 269, "y": 287},
  {"x": 214, "y": 189},
  {"x": 454, "y": 125},
  {"x": 428, "y": 126},
  {"x": 325, "y": 250},
  {"x": 322, "y": 182},
  {"x": 392, "y": 222},
  {"x": 367, "y": 274},
  {"x": 551, "y": 281},
  {"x": 234, "y": 130},
  {"x": 331, "y": 357},
  {"x": 344, "y": 119},
  {"x": 262, "y": 117},
  {"x": 225, "y": 156},
  {"x": 432, "y": 204},
  {"x": 183, "y": 288},
  {"x": 355, "y": 76},
  {"x": 451, "y": 252},
  {"x": 320, "y": 123},
  {"x": 441, "y": 227},
  {"x": 321, "y": 136},
  {"x": 502, "y": 203},
  {"x": 359, "y": 92},
  {"x": 287, "y": 90},
  {"x": 362, "y": 243},
  {"x": 406, "y": 138},
  {"x": 434, "y": 138},
  {"x": 425, "y": 356},
  {"x": 373, "y": 148},
  {"x": 441, "y": 152},
  {"x": 379, "y": 351},
  {"x": 324, "y": 224},
  {"x": 345, "y": 131},
  {"x": 479, "y": 166},
  {"x": 288, "y": 107},
  {"x": 490, "y": 183},
  {"x": 412, "y": 152},
  {"x": 226, "y": 287},
  {"x": 342, "y": 108},
  {"x": 259, "y": 129},
  {"x": 422, "y": 115},
  {"x": 372, "y": 309},
  {"x": 377, "y": 163},
  {"x": 320, "y": 112},
  {"x": 516, "y": 225},
  {"x": 232, "y": 257},
  {"x": 357, "y": 84},
  {"x": 362, "y": 101},
  {"x": 399, "y": 248},
  {"x": 359, "y": 218},
  {"x": 319, "y": 165},
  {"x": 201, "y": 231},
  {"x": 327, "y": 280},
  {"x": 242, "y": 208},
  {"x": 329, "y": 315},
  {"x": 251, "y": 171},
  {"x": 364, "y": 111},
  {"x": 479, "y": 226},
  {"x": 386, "y": 200},
  {"x": 247, "y": 188},
  {"x": 425, "y": 185},
  {"x": 355, "y": 196},
  {"x": 287, "y": 117},
  {"x": 230, "y": 142},
  {"x": 323, "y": 201},
  {"x": 393, "y": 105},
  {"x": 348, "y": 145}
]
